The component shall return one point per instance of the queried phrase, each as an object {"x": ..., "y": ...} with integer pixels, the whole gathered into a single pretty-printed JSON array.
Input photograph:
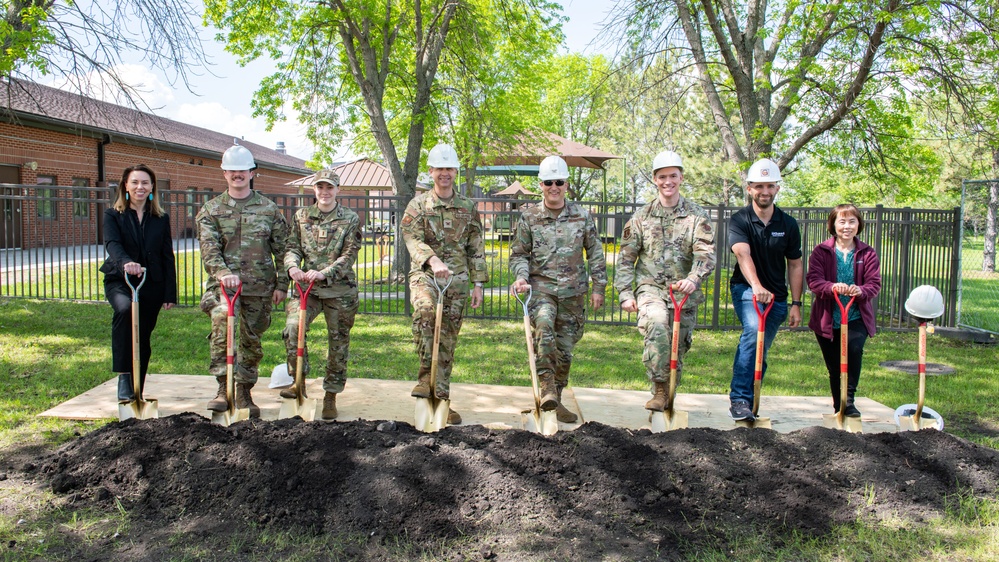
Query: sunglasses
[{"x": 549, "y": 183}]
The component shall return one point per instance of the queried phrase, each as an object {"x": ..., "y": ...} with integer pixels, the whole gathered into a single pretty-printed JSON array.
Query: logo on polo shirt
[{"x": 777, "y": 234}]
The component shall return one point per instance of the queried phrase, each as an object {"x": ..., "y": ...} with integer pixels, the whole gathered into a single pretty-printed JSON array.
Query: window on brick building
[
  {"x": 81, "y": 204},
  {"x": 46, "y": 208},
  {"x": 190, "y": 202}
]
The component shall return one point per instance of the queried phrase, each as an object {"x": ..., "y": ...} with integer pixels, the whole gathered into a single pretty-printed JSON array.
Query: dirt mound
[{"x": 583, "y": 491}]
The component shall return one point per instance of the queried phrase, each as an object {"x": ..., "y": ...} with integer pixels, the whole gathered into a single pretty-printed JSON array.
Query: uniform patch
[
  {"x": 627, "y": 231},
  {"x": 407, "y": 219}
]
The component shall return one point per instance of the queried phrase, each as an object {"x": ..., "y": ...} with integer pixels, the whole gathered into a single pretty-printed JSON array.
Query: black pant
[
  {"x": 854, "y": 358},
  {"x": 150, "y": 302}
]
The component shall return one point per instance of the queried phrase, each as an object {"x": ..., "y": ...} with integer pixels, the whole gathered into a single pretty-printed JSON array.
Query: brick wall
[{"x": 65, "y": 157}]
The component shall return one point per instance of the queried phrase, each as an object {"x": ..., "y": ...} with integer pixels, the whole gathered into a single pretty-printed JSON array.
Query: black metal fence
[{"x": 51, "y": 248}]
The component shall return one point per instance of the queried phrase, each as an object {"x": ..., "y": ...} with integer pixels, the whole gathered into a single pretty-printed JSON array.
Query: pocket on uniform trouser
[{"x": 208, "y": 302}]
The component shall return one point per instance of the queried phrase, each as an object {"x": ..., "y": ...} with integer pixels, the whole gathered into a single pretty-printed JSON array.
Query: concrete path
[{"x": 495, "y": 406}]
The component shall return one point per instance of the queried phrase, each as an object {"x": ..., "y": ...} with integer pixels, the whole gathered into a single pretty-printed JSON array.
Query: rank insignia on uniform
[
  {"x": 323, "y": 234},
  {"x": 447, "y": 223}
]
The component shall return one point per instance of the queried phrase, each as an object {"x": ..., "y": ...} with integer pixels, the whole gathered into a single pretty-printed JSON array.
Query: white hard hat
[
  {"x": 667, "y": 159},
  {"x": 925, "y": 301},
  {"x": 280, "y": 377},
  {"x": 553, "y": 168},
  {"x": 443, "y": 156},
  {"x": 238, "y": 158},
  {"x": 763, "y": 171}
]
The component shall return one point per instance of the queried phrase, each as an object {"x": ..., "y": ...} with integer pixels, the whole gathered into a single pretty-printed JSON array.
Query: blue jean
[{"x": 745, "y": 355}]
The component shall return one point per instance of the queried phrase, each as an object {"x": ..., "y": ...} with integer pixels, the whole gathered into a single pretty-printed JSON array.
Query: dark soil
[{"x": 596, "y": 492}]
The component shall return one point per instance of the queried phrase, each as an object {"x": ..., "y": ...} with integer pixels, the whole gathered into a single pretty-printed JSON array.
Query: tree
[
  {"x": 335, "y": 57},
  {"x": 84, "y": 42},
  {"x": 494, "y": 79},
  {"x": 787, "y": 72}
]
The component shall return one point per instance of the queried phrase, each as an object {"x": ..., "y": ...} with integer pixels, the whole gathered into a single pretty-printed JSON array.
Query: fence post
[
  {"x": 955, "y": 269},
  {"x": 721, "y": 233}
]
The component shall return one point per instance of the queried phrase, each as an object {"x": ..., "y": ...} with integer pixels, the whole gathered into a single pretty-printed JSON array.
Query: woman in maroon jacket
[{"x": 846, "y": 267}]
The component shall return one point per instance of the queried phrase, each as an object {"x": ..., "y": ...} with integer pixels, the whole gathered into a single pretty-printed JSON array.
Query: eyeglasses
[{"x": 549, "y": 183}]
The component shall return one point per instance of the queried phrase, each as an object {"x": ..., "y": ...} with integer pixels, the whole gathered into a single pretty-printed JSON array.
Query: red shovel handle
[
  {"x": 675, "y": 343},
  {"x": 761, "y": 332},
  {"x": 231, "y": 301},
  {"x": 303, "y": 296}
]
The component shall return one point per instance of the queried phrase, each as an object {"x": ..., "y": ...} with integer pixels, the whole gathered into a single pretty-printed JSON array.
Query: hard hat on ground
[
  {"x": 238, "y": 158},
  {"x": 763, "y": 171},
  {"x": 925, "y": 301},
  {"x": 326, "y": 176},
  {"x": 553, "y": 168},
  {"x": 667, "y": 159},
  {"x": 443, "y": 156},
  {"x": 280, "y": 377}
]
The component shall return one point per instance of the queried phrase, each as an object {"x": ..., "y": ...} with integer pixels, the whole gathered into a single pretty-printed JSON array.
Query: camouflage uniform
[
  {"x": 452, "y": 231},
  {"x": 660, "y": 246},
  {"x": 547, "y": 251},
  {"x": 245, "y": 239},
  {"x": 328, "y": 243}
]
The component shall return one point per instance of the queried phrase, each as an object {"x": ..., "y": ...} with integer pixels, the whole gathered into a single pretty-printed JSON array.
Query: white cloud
[{"x": 219, "y": 118}]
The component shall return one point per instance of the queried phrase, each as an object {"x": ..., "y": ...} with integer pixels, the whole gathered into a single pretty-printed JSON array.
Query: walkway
[{"x": 498, "y": 407}]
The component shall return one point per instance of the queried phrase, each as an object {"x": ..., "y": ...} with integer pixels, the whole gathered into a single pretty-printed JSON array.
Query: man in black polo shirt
[{"x": 767, "y": 246}]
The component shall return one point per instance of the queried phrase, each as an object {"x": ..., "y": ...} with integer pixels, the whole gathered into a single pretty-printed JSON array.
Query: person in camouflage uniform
[
  {"x": 324, "y": 240},
  {"x": 547, "y": 256},
  {"x": 667, "y": 243},
  {"x": 243, "y": 236},
  {"x": 443, "y": 234}
]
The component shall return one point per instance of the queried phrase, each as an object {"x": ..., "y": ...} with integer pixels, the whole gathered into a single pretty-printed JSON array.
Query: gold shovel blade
[
  {"x": 910, "y": 423},
  {"x": 430, "y": 417},
  {"x": 668, "y": 421},
  {"x": 759, "y": 423},
  {"x": 291, "y": 407},
  {"x": 141, "y": 409},
  {"x": 850, "y": 425},
  {"x": 230, "y": 417},
  {"x": 543, "y": 422}
]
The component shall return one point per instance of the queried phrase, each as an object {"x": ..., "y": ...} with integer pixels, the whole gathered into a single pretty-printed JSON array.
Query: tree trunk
[{"x": 989, "y": 252}]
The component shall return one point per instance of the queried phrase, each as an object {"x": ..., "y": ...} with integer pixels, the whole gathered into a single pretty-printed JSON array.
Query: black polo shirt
[{"x": 769, "y": 245}]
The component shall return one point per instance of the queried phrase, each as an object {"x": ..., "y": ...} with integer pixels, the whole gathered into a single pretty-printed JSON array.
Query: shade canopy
[
  {"x": 515, "y": 189},
  {"x": 532, "y": 149},
  {"x": 359, "y": 175}
]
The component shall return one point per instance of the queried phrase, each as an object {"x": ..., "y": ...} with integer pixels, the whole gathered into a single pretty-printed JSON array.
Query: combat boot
[
  {"x": 562, "y": 413},
  {"x": 219, "y": 403},
  {"x": 290, "y": 392},
  {"x": 329, "y": 406},
  {"x": 422, "y": 388},
  {"x": 658, "y": 402},
  {"x": 125, "y": 391},
  {"x": 244, "y": 400},
  {"x": 549, "y": 394}
]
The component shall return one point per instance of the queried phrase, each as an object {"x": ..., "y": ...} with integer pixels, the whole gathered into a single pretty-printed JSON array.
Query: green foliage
[{"x": 24, "y": 32}]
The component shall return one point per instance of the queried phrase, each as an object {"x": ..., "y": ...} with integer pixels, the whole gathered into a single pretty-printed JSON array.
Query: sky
[{"x": 222, "y": 102}]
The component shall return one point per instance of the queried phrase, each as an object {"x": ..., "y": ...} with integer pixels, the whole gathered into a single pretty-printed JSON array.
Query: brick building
[{"x": 73, "y": 148}]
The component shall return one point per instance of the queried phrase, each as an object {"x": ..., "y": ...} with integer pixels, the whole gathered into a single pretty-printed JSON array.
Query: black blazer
[{"x": 148, "y": 244}]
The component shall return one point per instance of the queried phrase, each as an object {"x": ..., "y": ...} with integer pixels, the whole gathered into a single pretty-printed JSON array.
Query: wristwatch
[{"x": 796, "y": 303}]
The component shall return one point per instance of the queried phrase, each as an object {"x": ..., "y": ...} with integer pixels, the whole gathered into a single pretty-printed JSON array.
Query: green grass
[{"x": 53, "y": 350}]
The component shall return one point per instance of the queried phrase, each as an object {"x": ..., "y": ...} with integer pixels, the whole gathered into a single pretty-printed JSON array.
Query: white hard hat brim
[{"x": 280, "y": 377}]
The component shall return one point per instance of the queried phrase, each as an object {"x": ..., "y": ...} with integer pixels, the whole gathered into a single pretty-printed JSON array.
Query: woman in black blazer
[{"x": 136, "y": 236}]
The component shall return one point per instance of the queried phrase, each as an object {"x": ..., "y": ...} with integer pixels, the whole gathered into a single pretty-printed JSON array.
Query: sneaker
[
  {"x": 851, "y": 411},
  {"x": 740, "y": 411}
]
